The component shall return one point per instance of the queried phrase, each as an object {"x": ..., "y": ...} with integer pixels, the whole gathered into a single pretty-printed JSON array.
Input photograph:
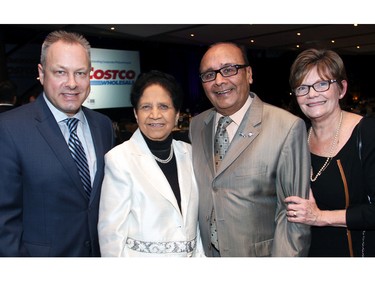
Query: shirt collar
[
  {"x": 61, "y": 116},
  {"x": 237, "y": 116}
]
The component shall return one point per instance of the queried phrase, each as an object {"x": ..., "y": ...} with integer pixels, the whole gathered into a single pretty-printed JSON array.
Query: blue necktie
[{"x": 79, "y": 155}]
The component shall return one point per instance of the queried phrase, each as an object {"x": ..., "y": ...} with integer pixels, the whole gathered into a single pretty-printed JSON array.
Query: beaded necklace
[
  {"x": 166, "y": 160},
  {"x": 331, "y": 152}
]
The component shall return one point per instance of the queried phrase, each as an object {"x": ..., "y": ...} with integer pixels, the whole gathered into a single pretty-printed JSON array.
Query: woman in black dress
[{"x": 342, "y": 146}]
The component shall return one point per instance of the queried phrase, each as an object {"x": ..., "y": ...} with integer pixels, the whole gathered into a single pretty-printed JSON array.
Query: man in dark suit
[
  {"x": 44, "y": 208},
  {"x": 8, "y": 95},
  {"x": 241, "y": 199}
]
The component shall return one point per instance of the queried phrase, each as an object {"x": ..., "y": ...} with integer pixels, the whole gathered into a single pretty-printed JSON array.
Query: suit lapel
[
  {"x": 184, "y": 177},
  {"x": 207, "y": 140},
  {"x": 156, "y": 177},
  {"x": 245, "y": 135},
  {"x": 98, "y": 146},
  {"x": 51, "y": 132}
]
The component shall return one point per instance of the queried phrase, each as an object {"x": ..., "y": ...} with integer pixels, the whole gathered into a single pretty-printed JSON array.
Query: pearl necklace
[
  {"x": 331, "y": 151},
  {"x": 166, "y": 160}
]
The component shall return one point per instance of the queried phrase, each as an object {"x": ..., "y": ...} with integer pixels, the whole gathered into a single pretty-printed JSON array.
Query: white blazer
[{"x": 138, "y": 213}]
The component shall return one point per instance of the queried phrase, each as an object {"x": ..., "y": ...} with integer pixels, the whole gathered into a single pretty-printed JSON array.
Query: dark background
[{"x": 270, "y": 67}]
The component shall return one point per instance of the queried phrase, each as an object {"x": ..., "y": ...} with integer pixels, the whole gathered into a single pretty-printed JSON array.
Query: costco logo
[{"x": 112, "y": 77}]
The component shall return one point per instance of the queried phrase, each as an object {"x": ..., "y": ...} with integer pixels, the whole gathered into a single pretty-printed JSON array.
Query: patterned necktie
[
  {"x": 221, "y": 139},
  {"x": 78, "y": 154},
  {"x": 220, "y": 147}
]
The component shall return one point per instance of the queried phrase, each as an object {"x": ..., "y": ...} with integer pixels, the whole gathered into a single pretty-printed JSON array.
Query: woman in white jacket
[{"x": 149, "y": 198}]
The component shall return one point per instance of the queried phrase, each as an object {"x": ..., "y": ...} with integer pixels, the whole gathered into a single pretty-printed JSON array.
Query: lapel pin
[{"x": 244, "y": 136}]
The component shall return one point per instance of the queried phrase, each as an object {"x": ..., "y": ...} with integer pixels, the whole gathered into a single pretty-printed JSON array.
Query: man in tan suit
[{"x": 242, "y": 198}]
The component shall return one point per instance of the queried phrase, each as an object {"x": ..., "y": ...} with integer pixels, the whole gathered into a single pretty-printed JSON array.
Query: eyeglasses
[
  {"x": 226, "y": 71},
  {"x": 320, "y": 86}
]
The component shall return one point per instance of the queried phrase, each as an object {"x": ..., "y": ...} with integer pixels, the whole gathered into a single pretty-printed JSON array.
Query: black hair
[{"x": 165, "y": 80}]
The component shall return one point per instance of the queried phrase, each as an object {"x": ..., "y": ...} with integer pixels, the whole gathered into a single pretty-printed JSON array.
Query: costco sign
[{"x": 112, "y": 75}]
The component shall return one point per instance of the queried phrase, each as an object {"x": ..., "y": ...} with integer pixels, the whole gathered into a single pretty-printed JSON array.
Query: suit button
[{"x": 87, "y": 244}]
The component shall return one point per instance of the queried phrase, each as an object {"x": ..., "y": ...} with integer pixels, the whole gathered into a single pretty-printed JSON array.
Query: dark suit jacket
[
  {"x": 4, "y": 108},
  {"x": 43, "y": 209},
  {"x": 267, "y": 160}
]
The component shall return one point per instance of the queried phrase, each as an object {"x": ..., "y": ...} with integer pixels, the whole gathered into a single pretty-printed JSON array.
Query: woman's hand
[{"x": 303, "y": 210}]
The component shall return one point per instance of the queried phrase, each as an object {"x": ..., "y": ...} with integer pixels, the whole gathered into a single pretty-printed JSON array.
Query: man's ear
[{"x": 41, "y": 73}]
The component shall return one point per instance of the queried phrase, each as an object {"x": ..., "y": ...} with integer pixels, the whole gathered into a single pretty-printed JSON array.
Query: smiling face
[
  {"x": 66, "y": 76},
  {"x": 155, "y": 113},
  {"x": 320, "y": 105},
  {"x": 227, "y": 94}
]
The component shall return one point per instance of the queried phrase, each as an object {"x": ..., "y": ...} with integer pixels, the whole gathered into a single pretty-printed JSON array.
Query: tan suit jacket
[{"x": 268, "y": 160}]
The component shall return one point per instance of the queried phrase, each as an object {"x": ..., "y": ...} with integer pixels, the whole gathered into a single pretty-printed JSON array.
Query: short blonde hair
[{"x": 65, "y": 36}]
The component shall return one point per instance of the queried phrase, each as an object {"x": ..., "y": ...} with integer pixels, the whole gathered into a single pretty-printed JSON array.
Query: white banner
[{"x": 112, "y": 75}]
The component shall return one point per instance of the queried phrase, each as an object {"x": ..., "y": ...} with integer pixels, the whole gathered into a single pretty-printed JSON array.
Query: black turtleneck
[{"x": 161, "y": 149}]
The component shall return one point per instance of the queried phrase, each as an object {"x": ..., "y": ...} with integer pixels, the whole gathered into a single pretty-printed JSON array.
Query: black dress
[{"x": 329, "y": 194}]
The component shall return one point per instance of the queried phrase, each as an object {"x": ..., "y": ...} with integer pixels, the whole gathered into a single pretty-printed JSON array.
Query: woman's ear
[
  {"x": 135, "y": 114},
  {"x": 344, "y": 89},
  {"x": 176, "y": 118}
]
